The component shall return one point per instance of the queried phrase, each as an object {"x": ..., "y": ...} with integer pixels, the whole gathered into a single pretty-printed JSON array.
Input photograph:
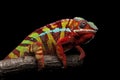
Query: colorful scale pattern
[
  {"x": 47, "y": 36},
  {"x": 54, "y": 39}
]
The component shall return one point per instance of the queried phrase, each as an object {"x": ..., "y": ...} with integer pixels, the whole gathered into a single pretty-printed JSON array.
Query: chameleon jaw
[{"x": 89, "y": 40}]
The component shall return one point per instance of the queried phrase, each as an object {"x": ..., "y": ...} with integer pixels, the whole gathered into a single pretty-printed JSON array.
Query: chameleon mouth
[
  {"x": 89, "y": 40},
  {"x": 85, "y": 30}
]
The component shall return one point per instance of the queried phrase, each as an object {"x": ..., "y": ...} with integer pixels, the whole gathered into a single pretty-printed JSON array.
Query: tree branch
[{"x": 29, "y": 63}]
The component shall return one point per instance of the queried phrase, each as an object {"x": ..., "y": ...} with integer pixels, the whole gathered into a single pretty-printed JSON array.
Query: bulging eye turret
[{"x": 83, "y": 24}]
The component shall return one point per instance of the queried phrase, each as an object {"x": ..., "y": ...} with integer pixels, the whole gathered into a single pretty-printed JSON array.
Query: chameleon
[{"x": 56, "y": 38}]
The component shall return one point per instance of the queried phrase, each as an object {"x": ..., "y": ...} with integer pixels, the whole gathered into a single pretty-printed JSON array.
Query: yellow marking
[
  {"x": 50, "y": 38},
  {"x": 27, "y": 42},
  {"x": 36, "y": 36},
  {"x": 39, "y": 56},
  {"x": 50, "y": 44},
  {"x": 12, "y": 55},
  {"x": 31, "y": 48},
  {"x": 53, "y": 26},
  {"x": 22, "y": 49},
  {"x": 70, "y": 22},
  {"x": 34, "y": 47},
  {"x": 39, "y": 51},
  {"x": 63, "y": 23},
  {"x": 75, "y": 24},
  {"x": 40, "y": 47}
]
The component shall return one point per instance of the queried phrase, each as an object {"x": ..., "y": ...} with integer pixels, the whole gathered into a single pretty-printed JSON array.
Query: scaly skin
[{"x": 50, "y": 39}]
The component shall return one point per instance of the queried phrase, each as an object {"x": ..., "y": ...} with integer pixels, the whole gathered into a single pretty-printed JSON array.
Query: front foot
[
  {"x": 61, "y": 55},
  {"x": 60, "y": 51},
  {"x": 82, "y": 53},
  {"x": 64, "y": 62},
  {"x": 82, "y": 56}
]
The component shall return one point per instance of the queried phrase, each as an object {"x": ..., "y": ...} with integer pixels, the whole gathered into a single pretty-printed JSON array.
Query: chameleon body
[{"x": 50, "y": 39}]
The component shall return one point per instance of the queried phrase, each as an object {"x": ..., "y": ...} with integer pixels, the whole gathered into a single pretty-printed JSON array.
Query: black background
[{"x": 17, "y": 23}]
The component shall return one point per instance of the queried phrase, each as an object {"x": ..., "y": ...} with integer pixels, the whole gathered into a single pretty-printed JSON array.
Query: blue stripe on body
[{"x": 55, "y": 31}]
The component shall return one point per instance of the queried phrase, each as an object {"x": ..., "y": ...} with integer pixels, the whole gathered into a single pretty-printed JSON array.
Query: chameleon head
[{"x": 85, "y": 31}]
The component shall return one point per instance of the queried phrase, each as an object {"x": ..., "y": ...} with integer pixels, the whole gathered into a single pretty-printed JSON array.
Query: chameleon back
[{"x": 47, "y": 35}]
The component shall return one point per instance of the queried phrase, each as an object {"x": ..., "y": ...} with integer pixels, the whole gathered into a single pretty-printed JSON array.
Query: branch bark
[{"x": 29, "y": 63}]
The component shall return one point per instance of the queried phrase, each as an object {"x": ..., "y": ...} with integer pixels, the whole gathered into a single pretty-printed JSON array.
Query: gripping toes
[
  {"x": 38, "y": 50},
  {"x": 61, "y": 55}
]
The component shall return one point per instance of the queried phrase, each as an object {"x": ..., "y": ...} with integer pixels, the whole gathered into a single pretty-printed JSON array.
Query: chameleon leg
[
  {"x": 60, "y": 51},
  {"x": 37, "y": 49},
  {"x": 82, "y": 53}
]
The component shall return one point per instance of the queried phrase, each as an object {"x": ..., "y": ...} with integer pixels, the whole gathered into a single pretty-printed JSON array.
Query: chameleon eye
[{"x": 83, "y": 24}]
